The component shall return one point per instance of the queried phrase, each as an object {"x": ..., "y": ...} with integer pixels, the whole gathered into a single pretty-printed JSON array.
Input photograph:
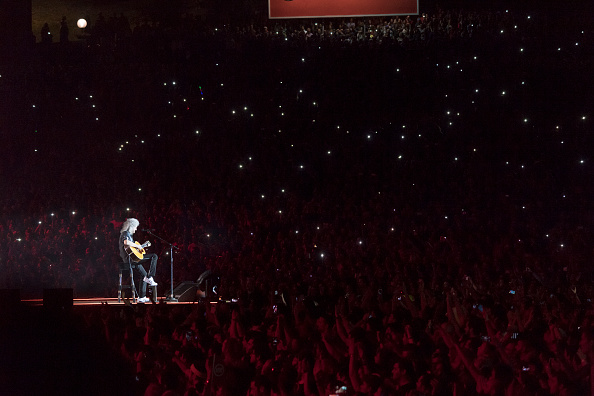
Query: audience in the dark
[{"x": 393, "y": 206}]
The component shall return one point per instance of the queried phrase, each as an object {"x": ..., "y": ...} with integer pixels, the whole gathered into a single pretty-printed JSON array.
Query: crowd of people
[{"x": 391, "y": 206}]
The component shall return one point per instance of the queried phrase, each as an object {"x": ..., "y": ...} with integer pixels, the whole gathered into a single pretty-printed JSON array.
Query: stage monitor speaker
[
  {"x": 58, "y": 299},
  {"x": 186, "y": 292},
  {"x": 208, "y": 284}
]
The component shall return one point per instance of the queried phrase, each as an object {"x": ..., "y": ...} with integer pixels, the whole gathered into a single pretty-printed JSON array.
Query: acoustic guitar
[{"x": 135, "y": 253}]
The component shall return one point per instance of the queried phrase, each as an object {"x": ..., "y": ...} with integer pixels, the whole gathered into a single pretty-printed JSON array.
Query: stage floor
[{"x": 106, "y": 301}]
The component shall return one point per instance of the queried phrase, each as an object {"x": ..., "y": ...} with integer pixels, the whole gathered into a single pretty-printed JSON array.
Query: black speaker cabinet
[{"x": 186, "y": 292}]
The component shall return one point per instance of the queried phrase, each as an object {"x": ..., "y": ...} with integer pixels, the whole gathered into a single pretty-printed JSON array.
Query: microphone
[{"x": 147, "y": 229}]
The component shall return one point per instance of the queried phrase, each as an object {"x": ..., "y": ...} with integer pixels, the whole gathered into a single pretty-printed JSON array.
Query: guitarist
[{"x": 128, "y": 229}]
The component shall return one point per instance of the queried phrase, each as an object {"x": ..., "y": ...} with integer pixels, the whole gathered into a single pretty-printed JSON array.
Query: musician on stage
[{"x": 128, "y": 229}]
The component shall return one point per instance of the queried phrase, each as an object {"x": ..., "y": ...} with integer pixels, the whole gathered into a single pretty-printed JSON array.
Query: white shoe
[
  {"x": 142, "y": 300},
  {"x": 150, "y": 281}
]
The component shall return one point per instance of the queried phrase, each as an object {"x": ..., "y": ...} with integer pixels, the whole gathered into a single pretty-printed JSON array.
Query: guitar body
[{"x": 137, "y": 254}]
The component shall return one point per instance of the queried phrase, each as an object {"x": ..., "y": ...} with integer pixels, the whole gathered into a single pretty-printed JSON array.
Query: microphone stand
[{"x": 171, "y": 297}]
